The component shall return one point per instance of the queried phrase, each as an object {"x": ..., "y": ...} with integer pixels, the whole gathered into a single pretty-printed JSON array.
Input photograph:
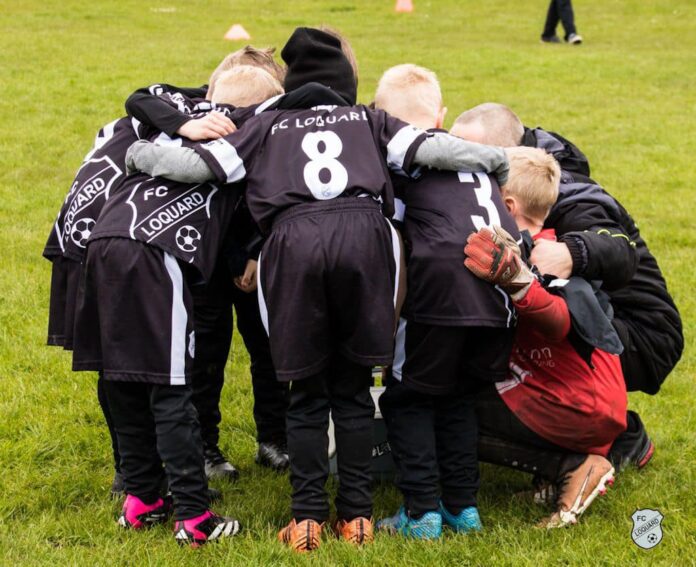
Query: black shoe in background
[
  {"x": 551, "y": 39},
  {"x": 217, "y": 466},
  {"x": 633, "y": 446},
  {"x": 273, "y": 455}
]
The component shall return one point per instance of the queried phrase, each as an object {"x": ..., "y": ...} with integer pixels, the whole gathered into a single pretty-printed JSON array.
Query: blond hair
[
  {"x": 248, "y": 55},
  {"x": 533, "y": 180},
  {"x": 495, "y": 125},
  {"x": 346, "y": 47},
  {"x": 245, "y": 85},
  {"x": 411, "y": 93}
]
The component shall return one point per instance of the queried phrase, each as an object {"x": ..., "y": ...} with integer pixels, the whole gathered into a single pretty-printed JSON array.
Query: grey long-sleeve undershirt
[{"x": 441, "y": 151}]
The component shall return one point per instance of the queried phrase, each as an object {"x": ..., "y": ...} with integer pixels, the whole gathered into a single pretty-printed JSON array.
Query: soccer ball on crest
[
  {"x": 81, "y": 230},
  {"x": 187, "y": 238}
]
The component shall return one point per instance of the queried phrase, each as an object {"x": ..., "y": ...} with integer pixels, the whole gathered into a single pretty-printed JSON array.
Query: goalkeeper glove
[{"x": 494, "y": 256}]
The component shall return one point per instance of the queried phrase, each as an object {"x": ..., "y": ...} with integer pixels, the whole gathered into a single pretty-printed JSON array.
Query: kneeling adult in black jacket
[{"x": 598, "y": 240}]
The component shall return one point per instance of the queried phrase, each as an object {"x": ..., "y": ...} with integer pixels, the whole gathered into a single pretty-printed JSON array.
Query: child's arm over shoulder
[
  {"x": 407, "y": 146},
  {"x": 146, "y": 106},
  {"x": 444, "y": 151},
  {"x": 175, "y": 163},
  {"x": 225, "y": 160}
]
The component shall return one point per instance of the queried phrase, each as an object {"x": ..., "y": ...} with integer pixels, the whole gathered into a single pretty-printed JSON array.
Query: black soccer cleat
[
  {"x": 633, "y": 446},
  {"x": 204, "y": 528},
  {"x": 273, "y": 455},
  {"x": 217, "y": 466}
]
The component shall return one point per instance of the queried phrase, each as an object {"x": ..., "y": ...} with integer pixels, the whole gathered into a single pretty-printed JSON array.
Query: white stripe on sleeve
[
  {"x": 228, "y": 159},
  {"x": 264, "y": 105},
  {"x": 398, "y": 146},
  {"x": 179, "y": 319}
]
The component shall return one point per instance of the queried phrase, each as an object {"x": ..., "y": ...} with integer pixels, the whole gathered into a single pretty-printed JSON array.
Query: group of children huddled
[{"x": 276, "y": 192}]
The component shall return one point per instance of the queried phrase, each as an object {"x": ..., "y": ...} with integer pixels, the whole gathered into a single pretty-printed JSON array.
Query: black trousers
[
  {"x": 433, "y": 442},
  {"x": 154, "y": 425},
  {"x": 559, "y": 10},
  {"x": 213, "y": 321},
  {"x": 104, "y": 404},
  {"x": 344, "y": 390},
  {"x": 504, "y": 440}
]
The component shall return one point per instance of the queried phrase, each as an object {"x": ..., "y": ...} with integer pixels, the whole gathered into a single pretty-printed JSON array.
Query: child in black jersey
[
  {"x": 454, "y": 331},
  {"x": 152, "y": 241},
  {"x": 317, "y": 184}
]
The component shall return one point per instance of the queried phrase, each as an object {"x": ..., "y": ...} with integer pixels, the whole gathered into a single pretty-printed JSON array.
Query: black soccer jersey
[
  {"x": 187, "y": 220},
  {"x": 441, "y": 210},
  {"x": 102, "y": 167},
  {"x": 299, "y": 156}
]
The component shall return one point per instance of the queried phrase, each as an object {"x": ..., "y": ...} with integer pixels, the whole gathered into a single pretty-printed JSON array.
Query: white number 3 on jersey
[
  {"x": 323, "y": 148},
  {"x": 484, "y": 193}
]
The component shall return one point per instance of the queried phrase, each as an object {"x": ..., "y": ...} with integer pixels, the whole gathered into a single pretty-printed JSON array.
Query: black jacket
[{"x": 606, "y": 245}]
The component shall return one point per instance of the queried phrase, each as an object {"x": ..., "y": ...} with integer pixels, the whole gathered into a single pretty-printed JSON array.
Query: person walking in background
[{"x": 560, "y": 10}]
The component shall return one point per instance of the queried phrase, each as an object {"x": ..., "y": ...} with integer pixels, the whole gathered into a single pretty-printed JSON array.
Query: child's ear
[
  {"x": 441, "y": 117},
  {"x": 510, "y": 205}
]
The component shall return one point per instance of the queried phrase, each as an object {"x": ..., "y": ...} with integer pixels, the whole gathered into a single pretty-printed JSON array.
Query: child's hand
[
  {"x": 212, "y": 126},
  {"x": 247, "y": 281},
  {"x": 494, "y": 256}
]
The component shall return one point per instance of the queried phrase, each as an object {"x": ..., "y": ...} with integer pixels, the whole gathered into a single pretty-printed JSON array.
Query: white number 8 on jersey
[{"x": 324, "y": 160}]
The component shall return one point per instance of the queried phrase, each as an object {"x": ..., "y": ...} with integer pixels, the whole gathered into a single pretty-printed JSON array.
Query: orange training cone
[
  {"x": 236, "y": 33},
  {"x": 404, "y": 6}
]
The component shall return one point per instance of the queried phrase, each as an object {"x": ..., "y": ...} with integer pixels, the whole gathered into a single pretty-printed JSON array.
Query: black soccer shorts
[
  {"x": 65, "y": 278},
  {"x": 438, "y": 360},
  {"x": 134, "y": 317},
  {"x": 327, "y": 278}
]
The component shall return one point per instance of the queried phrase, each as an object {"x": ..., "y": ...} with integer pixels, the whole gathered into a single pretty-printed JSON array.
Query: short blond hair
[
  {"x": 495, "y": 125},
  {"x": 533, "y": 180},
  {"x": 245, "y": 85},
  {"x": 346, "y": 47},
  {"x": 248, "y": 55},
  {"x": 410, "y": 93}
]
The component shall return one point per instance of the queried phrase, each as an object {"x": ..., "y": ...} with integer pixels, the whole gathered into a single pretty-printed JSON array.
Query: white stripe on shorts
[
  {"x": 399, "y": 349},
  {"x": 177, "y": 371},
  {"x": 262, "y": 300},
  {"x": 396, "y": 249}
]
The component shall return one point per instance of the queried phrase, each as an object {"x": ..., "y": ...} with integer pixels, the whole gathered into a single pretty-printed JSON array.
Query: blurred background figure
[{"x": 560, "y": 10}]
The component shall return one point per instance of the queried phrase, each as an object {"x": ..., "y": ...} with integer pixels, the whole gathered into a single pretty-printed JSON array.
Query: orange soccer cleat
[
  {"x": 301, "y": 536},
  {"x": 356, "y": 531}
]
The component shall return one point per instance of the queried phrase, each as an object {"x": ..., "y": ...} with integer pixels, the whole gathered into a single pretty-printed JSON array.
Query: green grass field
[{"x": 627, "y": 97}]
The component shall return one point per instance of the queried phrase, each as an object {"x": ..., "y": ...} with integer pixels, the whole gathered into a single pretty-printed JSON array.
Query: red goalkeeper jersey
[{"x": 552, "y": 390}]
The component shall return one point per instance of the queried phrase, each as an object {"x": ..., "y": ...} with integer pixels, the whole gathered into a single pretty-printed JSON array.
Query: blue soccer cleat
[
  {"x": 467, "y": 520},
  {"x": 428, "y": 526}
]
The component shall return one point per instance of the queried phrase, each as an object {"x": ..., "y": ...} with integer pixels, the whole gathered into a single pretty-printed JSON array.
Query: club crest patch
[{"x": 647, "y": 528}]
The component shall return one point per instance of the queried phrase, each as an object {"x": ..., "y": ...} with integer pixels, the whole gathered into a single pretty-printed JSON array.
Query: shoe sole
[
  {"x": 571, "y": 516},
  {"x": 645, "y": 459}
]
